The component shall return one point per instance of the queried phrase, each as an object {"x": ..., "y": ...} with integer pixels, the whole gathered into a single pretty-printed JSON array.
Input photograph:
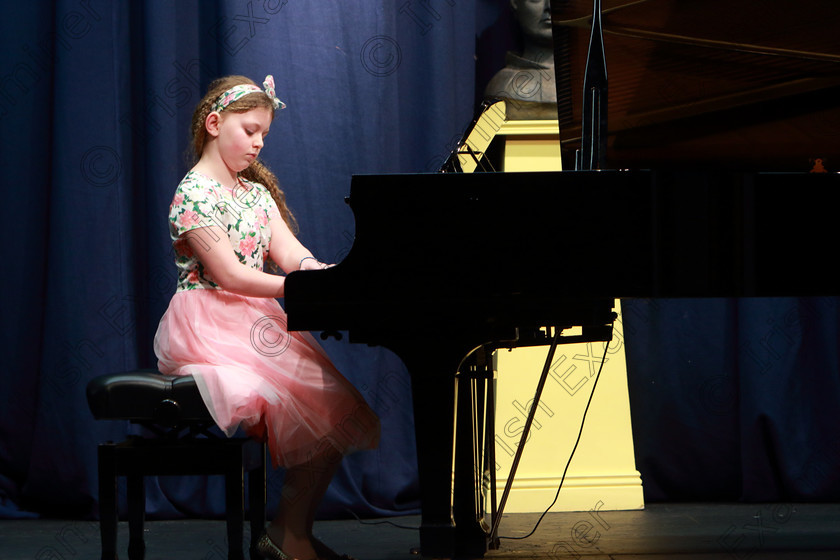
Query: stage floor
[{"x": 661, "y": 532}]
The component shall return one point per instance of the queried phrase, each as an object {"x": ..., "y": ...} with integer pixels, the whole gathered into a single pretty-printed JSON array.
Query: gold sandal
[{"x": 267, "y": 549}]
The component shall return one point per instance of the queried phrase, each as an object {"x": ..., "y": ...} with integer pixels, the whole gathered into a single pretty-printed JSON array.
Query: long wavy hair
[{"x": 257, "y": 172}]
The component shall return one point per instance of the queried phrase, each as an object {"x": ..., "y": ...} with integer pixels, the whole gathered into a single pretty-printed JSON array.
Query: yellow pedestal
[{"x": 602, "y": 474}]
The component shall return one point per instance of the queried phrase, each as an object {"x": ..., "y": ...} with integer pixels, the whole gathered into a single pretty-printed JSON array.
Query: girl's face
[{"x": 240, "y": 137}]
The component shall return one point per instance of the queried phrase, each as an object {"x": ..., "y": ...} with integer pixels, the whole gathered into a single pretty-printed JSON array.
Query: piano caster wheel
[
  {"x": 414, "y": 551},
  {"x": 330, "y": 334}
]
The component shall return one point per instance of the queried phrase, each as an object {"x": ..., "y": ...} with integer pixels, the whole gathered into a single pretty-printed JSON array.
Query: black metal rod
[
  {"x": 594, "y": 119},
  {"x": 527, "y": 429}
]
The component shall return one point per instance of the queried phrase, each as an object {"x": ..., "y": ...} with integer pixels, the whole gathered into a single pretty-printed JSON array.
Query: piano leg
[
  {"x": 449, "y": 409},
  {"x": 433, "y": 395}
]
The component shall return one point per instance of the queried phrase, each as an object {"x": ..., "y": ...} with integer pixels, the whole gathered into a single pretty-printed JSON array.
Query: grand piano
[{"x": 715, "y": 178}]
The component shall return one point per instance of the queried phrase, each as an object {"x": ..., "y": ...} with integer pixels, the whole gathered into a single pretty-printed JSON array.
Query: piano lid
[{"x": 752, "y": 84}]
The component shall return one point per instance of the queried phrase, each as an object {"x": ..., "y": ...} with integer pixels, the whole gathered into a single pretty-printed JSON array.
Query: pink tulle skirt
[{"x": 279, "y": 386}]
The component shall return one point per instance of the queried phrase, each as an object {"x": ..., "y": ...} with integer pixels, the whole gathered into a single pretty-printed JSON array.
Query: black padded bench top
[
  {"x": 146, "y": 396},
  {"x": 172, "y": 408}
]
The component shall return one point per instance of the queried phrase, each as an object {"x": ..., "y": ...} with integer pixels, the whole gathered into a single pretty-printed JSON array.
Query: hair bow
[{"x": 268, "y": 85}]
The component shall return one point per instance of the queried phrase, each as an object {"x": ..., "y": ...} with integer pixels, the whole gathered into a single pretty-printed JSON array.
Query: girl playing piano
[{"x": 223, "y": 326}]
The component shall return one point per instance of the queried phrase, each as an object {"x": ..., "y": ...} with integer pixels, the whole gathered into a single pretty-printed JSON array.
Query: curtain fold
[{"x": 734, "y": 399}]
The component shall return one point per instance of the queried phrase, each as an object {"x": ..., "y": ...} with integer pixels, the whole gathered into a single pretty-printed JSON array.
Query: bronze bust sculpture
[{"x": 527, "y": 80}]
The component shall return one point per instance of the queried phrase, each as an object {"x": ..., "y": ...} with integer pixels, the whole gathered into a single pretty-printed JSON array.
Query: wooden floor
[{"x": 680, "y": 531}]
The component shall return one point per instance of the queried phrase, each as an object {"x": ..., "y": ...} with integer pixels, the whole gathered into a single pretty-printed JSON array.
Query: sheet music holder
[{"x": 468, "y": 155}]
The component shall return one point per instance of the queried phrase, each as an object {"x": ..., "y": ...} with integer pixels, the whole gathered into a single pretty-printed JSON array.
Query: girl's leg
[{"x": 304, "y": 487}]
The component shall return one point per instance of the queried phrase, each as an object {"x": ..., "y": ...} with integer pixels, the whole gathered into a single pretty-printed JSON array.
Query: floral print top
[{"x": 244, "y": 212}]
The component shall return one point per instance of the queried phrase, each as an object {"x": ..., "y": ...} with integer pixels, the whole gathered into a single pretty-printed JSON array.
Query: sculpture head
[{"x": 534, "y": 17}]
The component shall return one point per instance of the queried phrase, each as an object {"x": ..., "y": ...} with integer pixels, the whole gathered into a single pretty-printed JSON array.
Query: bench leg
[
  {"x": 234, "y": 504},
  {"x": 256, "y": 501},
  {"x": 108, "y": 515},
  {"x": 136, "y": 517}
]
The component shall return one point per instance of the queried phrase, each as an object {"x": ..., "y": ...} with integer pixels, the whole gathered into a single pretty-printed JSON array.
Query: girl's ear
[{"x": 212, "y": 122}]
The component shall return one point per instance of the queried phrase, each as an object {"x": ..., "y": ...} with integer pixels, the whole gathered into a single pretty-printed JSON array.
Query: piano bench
[{"x": 172, "y": 409}]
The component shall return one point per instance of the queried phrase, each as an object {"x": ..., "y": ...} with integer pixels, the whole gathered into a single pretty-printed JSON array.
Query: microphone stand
[{"x": 594, "y": 122}]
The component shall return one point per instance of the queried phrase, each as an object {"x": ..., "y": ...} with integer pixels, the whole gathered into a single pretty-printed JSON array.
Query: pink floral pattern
[
  {"x": 247, "y": 245},
  {"x": 243, "y": 213}
]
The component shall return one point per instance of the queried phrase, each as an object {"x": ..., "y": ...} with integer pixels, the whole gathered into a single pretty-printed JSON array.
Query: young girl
[{"x": 225, "y": 327}]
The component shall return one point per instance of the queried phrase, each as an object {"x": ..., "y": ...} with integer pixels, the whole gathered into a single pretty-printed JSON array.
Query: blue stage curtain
[
  {"x": 735, "y": 399},
  {"x": 95, "y": 103}
]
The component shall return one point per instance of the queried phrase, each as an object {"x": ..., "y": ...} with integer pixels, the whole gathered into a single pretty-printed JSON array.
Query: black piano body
[
  {"x": 443, "y": 264},
  {"x": 729, "y": 104}
]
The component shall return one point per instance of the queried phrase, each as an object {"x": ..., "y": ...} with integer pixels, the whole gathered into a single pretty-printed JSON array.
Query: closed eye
[{"x": 251, "y": 132}]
